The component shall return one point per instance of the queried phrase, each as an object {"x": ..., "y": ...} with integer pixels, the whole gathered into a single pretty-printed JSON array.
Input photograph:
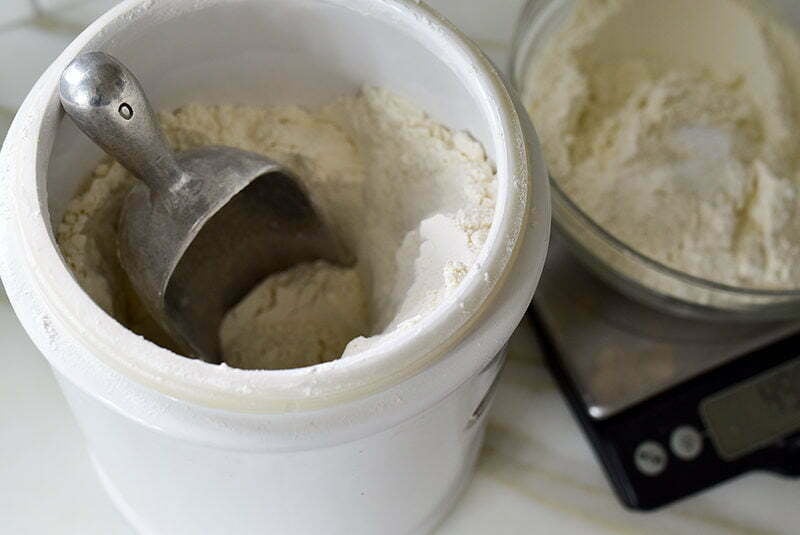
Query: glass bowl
[{"x": 629, "y": 271}]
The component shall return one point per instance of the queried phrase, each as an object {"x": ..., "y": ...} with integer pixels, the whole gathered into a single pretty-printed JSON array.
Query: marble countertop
[{"x": 536, "y": 473}]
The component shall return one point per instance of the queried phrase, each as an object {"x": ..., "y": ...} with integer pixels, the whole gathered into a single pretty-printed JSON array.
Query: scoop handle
[{"x": 108, "y": 104}]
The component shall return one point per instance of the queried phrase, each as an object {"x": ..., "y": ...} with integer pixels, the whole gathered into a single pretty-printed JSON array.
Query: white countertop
[{"x": 536, "y": 473}]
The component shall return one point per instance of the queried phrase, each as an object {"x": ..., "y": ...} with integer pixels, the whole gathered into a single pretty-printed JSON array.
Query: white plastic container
[{"x": 380, "y": 442}]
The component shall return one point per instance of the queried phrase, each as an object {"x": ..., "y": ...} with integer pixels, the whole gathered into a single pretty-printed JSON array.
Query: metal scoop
[{"x": 203, "y": 226}]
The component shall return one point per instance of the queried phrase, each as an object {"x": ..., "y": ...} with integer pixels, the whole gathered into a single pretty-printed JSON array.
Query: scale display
[{"x": 746, "y": 417}]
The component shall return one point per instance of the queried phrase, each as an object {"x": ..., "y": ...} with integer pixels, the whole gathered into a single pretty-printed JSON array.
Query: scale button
[
  {"x": 686, "y": 443},
  {"x": 650, "y": 458}
]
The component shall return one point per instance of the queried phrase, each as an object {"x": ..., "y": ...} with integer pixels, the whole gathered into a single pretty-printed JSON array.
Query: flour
[
  {"x": 411, "y": 199},
  {"x": 675, "y": 126},
  {"x": 304, "y": 316}
]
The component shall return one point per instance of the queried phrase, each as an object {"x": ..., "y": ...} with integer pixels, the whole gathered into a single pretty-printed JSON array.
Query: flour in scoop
[
  {"x": 413, "y": 200},
  {"x": 675, "y": 125}
]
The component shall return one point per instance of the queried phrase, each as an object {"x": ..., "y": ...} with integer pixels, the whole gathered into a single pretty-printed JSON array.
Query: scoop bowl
[{"x": 202, "y": 227}]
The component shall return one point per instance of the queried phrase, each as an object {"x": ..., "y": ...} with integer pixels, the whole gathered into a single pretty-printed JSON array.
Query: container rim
[{"x": 400, "y": 357}]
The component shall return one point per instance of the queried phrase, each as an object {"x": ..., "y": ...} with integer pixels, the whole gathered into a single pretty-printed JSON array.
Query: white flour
[
  {"x": 303, "y": 316},
  {"x": 682, "y": 136},
  {"x": 413, "y": 200}
]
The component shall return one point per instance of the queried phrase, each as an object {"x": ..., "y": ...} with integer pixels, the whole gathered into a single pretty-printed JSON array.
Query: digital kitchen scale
[{"x": 672, "y": 406}]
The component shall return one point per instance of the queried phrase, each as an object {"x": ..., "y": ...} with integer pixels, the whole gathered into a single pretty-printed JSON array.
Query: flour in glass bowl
[
  {"x": 676, "y": 127},
  {"x": 412, "y": 199}
]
